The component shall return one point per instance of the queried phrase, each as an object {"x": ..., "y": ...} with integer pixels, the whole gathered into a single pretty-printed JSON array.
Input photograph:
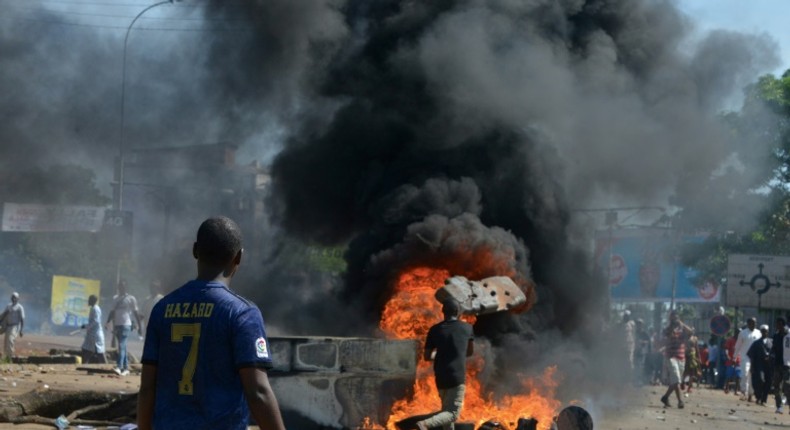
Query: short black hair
[
  {"x": 450, "y": 308},
  {"x": 781, "y": 320},
  {"x": 218, "y": 241}
]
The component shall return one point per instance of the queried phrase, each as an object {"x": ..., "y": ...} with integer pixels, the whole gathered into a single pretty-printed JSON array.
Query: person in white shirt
[
  {"x": 629, "y": 327},
  {"x": 746, "y": 337},
  {"x": 123, "y": 315},
  {"x": 93, "y": 345},
  {"x": 153, "y": 298},
  {"x": 13, "y": 318}
]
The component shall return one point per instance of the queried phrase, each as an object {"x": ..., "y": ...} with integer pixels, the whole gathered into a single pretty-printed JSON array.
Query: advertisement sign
[
  {"x": 758, "y": 281},
  {"x": 41, "y": 218},
  {"x": 69, "y": 306},
  {"x": 642, "y": 265}
]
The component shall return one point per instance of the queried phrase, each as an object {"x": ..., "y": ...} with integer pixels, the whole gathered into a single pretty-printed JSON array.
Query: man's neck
[{"x": 209, "y": 274}]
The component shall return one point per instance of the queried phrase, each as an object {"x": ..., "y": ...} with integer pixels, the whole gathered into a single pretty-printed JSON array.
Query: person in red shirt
[{"x": 675, "y": 337}]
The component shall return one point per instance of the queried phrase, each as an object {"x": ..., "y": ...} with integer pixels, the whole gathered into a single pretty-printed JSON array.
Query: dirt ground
[{"x": 705, "y": 408}]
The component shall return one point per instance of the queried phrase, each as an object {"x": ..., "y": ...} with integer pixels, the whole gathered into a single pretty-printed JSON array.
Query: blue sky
[{"x": 751, "y": 16}]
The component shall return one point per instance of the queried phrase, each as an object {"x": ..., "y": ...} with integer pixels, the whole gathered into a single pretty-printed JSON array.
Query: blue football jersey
[{"x": 198, "y": 337}]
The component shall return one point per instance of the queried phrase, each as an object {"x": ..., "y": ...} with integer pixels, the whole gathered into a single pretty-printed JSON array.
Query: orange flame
[{"x": 409, "y": 314}]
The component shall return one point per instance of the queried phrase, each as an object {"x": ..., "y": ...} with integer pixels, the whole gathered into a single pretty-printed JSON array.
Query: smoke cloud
[
  {"x": 413, "y": 131},
  {"x": 495, "y": 119},
  {"x": 540, "y": 106}
]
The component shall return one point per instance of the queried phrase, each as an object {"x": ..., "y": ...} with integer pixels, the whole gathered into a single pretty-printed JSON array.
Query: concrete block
[
  {"x": 337, "y": 382},
  {"x": 489, "y": 295}
]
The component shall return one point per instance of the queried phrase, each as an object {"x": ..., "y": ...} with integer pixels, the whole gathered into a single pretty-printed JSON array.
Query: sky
[{"x": 750, "y": 16}]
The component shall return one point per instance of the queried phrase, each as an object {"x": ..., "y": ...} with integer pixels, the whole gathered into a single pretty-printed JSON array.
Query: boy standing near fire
[
  {"x": 206, "y": 350},
  {"x": 448, "y": 344}
]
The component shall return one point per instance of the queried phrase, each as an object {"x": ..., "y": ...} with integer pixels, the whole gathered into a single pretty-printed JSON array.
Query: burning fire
[{"x": 409, "y": 314}]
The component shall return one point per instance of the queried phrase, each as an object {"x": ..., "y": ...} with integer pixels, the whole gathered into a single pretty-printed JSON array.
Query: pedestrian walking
[
  {"x": 676, "y": 335},
  {"x": 93, "y": 345},
  {"x": 781, "y": 370},
  {"x": 13, "y": 320},
  {"x": 124, "y": 315},
  {"x": 760, "y": 356},
  {"x": 746, "y": 337}
]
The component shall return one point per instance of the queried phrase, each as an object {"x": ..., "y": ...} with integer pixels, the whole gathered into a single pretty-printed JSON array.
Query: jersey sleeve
[
  {"x": 151, "y": 345},
  {"x": 430, "y": 339},
  {"x": 250, "y": 344}
]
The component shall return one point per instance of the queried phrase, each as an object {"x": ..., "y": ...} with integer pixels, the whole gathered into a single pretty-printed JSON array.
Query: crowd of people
[{"x": 752, "y": 362}]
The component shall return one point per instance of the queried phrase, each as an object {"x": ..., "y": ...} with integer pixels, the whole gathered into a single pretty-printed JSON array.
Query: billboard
[
  {"x": 758, "y": 281},
  {"x": 641, "y": 265},
  {"x": 69, "y": 305},
  {"x": 41, "y": 218}
]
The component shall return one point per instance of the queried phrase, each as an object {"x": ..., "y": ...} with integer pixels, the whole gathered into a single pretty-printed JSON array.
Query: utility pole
[
  {"x": 121, "y": 163},
  {"x": 118, "y": 200}
]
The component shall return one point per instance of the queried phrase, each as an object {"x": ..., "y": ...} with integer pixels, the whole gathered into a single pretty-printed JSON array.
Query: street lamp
[{"x": 119, "y": 198}]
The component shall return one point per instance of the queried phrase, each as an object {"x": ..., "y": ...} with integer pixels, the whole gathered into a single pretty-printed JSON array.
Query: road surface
[{"x": 636, "y": 409}]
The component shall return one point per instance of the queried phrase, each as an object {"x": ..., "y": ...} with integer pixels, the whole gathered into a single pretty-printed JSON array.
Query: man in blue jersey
[
  {"x": 447, "y": 345},
  {"x": 206, "y": 352}
]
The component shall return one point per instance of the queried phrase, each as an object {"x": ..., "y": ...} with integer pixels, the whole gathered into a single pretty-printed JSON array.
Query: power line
[
  {"x": 124, "y": 27},
  {"x": 103, "y": 15},
  {"x": 94, "y": 3},
  {"x": 115, "y": 4}
]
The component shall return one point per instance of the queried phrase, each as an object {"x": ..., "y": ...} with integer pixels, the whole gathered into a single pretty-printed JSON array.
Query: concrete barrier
[{"x": 337, "y": 382}]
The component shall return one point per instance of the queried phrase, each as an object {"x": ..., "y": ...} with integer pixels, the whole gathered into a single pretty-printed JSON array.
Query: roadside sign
[
  {"x": 757, "y": 280},
  {"x": 116, "y": 233},
  {"x": 720, "y": 325}
]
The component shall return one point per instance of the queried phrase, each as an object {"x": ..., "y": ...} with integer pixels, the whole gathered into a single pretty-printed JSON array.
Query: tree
[{"x": 763, "y": 121}]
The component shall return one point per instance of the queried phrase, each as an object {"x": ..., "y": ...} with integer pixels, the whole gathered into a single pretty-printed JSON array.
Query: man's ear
[
  {"x": 237, "y": 258},
  {"x": 194, "y": 250}
]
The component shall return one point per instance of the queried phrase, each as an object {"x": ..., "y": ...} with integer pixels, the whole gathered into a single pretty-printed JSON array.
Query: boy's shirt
[{"x": 199, "y": 336}]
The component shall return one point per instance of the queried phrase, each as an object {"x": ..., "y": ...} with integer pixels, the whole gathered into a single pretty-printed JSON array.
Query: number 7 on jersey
[{"x": 178, "y": 332}]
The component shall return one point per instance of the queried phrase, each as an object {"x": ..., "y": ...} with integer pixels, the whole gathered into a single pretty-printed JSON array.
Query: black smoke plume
[
  {"x": 502, "y": 116},
  {"x": 409, "y": 127}
]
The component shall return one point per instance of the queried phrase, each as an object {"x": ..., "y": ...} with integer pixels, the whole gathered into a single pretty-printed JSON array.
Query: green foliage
[
  {"x": 686, "y": 312},
  {"x": 764, "y": 120},
  {"x": 329, "y": 260},
  {"x": 298, "y": 256},
  {"x": 766, "y": 114}
]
